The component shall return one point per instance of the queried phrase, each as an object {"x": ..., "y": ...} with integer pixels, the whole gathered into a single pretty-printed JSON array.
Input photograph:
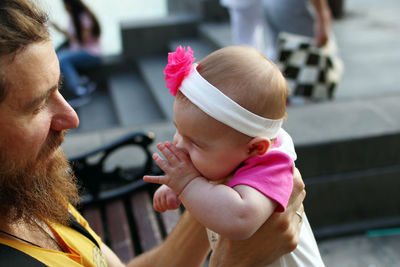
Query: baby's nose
[
  {"x": 176, "y": 138},
  {"x": 179, "y": 145}
]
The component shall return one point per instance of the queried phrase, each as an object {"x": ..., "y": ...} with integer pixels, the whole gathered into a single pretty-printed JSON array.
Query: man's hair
[{"x": 21, "y": 24}]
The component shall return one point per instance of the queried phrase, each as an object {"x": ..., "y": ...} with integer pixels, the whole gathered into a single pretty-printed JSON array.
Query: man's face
[
  {"x": 34, "y": 177},
  {"x": 33, "y": 112}
]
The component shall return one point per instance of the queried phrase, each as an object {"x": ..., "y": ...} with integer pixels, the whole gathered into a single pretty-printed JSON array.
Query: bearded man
[{"x": 38, "y": 191}]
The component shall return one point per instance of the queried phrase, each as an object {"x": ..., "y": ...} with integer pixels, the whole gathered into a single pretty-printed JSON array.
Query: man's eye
[{"x": 40, "y": 108}]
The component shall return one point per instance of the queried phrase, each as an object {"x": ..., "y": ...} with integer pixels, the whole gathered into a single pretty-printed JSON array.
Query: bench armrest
[{"x": 91, "y": 173}]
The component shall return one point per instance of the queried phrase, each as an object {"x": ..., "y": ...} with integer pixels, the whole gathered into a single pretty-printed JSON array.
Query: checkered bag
[{"x": 312, "y": 72}]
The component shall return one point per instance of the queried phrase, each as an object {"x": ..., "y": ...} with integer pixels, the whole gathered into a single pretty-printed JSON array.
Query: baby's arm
[
  {"x": 235, "y": 213},
  {"x": 165, "y": 199}
]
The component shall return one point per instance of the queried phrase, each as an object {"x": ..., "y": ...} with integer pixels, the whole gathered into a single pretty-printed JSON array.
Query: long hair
[
  {"x": 21, "y": 23},
  {"x": 77, "y": 8}
]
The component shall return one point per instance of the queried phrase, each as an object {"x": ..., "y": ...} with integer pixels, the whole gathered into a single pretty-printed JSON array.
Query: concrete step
[
  {"x": 216, "y": 34},
  {"x": 209, "y": 10},
  {"x": 200, "y": 48},
  {"x": 97, "y": 114},
  {"x": 335, "y": 137},
  {"x": 141, "y": 38},
  {"x": 353, "y": 202},
  {"x": 108, "y": 66},
  {"x": 348, "y": 156},
  {"x": 362, "y": 250},
  {"x": 151, "y": 70},
  {"x": 132, "y": 101}
]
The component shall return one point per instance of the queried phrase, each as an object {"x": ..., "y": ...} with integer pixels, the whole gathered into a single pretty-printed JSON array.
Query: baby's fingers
[
  {"x": 172, "y": 201},
  {"x": 164, "y": 165},
  {"x": 154, "y": 179},
  {"x": 158, "y": 205},
  {"x": 179, "y": 153},
  {"x": 168, "y": 153}
]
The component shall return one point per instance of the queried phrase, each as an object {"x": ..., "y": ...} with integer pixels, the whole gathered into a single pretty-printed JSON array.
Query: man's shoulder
[{"x": 10, "y": 256}]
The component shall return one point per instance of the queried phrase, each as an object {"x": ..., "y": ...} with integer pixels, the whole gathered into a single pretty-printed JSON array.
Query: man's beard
[{"x": 39, "y": 189}]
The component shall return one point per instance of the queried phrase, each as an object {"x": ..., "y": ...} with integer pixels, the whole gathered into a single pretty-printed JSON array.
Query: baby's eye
[{"x": 196, "y": 144}]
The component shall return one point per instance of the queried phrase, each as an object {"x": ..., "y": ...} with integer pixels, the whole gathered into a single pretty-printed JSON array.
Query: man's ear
[{"x": 258, "y": 146}]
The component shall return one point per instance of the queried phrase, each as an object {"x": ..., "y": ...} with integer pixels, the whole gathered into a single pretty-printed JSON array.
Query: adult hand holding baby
[{"x": 277, "y": 236}]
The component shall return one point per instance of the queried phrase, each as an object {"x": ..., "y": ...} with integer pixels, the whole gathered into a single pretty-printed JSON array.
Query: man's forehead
[{"x": 33, "y": 71}]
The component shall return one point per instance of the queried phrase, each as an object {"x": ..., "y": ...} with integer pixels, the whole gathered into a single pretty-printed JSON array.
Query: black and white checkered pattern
[{"x": 312, "y": 72}]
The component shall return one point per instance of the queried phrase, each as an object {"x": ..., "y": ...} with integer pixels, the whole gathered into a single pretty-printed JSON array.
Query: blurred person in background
[
  {"x": 310, "y": 18},
  {"x": 83, "y": 51}
]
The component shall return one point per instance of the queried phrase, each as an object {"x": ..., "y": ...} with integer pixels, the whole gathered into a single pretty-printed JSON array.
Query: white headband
[{"x": 217, "y": 105}]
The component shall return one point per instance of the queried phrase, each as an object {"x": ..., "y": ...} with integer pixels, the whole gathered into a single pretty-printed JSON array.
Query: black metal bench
[{"x": 118, "y": 203}]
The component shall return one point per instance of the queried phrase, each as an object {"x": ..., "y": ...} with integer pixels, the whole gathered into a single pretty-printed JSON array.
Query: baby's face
[{"x": 215, "y": 149}]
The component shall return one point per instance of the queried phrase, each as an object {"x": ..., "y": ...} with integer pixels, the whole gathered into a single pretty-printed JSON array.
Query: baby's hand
[
  {"x": 165, "y": 199},
  {"x": 179, "y": 169}
]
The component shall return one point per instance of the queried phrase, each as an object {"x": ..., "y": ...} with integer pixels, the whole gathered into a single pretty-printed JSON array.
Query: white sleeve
[{"x": 286, "y": 145}]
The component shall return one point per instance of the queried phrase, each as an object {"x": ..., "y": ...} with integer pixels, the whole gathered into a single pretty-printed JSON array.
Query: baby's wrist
[{"x": 189, "y": 185}]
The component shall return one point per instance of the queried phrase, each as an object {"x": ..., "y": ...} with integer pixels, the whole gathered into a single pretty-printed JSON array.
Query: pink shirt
[{"x": 271, "y": 173}]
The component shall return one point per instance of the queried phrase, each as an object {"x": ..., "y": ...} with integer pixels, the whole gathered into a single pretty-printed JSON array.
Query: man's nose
[{"x": 65, "y": 116}]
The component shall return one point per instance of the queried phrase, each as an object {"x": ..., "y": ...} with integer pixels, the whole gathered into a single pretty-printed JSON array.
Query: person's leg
[
  {"x": 292, "y": 16},
  {"x": 70, "y": 61},
  {"x": 247, "y": 25}
]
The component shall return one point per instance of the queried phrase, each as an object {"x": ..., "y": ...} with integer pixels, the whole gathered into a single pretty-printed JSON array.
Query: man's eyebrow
[{"x": 35, "y": 102}]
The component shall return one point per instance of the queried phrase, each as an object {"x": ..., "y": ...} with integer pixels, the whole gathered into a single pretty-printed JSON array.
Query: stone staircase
[
  {"x": 134, "y": 92},
  {"x": 348, "y": 149}
]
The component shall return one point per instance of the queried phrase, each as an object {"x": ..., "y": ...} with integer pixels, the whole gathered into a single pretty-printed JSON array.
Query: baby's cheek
[{"x": 201, "y": 165}]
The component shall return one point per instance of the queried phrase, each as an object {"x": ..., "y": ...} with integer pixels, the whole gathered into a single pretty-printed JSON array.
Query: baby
[{"x": 231, "y": 164}]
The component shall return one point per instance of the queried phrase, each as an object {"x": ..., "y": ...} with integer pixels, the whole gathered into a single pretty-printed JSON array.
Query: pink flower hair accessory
[{"x": 178, "y": 68}]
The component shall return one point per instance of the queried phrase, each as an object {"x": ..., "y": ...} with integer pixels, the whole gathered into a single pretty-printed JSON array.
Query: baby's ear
[{"x": 258, "y": 146}]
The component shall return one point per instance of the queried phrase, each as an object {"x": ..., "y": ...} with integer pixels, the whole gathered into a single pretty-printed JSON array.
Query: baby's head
[
  {"x": 248, "y": 78},
  {"x": 218, "y": 140}
]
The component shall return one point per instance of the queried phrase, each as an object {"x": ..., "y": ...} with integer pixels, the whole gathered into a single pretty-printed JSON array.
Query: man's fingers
[
  {"x": 298, "y": 181},
  {"x": 298, "y": 189}
]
